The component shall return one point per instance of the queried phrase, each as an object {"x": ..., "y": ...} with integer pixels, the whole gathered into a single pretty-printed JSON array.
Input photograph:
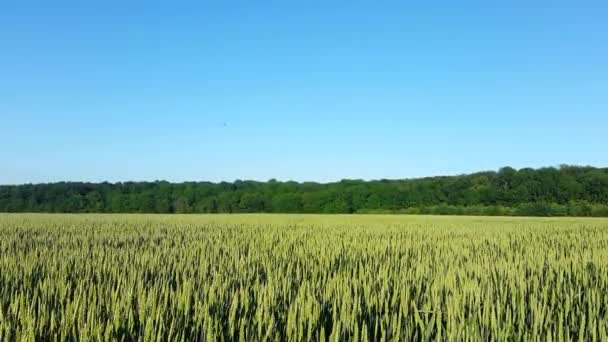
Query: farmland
[{"x": 302, "y": 277}]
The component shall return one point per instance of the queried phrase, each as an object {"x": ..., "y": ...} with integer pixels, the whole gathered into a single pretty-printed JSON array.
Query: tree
[
  {"x": 251, "y": 203},
  {"x": 571, "y": 190},
  {"x": 287, "y": 203}
]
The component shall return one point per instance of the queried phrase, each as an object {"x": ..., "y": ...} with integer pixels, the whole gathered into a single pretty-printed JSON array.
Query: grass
[{"x": 302, "y": 277}]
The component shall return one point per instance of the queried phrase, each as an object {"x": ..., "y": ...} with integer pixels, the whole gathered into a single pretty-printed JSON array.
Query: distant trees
[
  {"x": 567, "y": 190},
  {"x": 286, "y": 203},
  {"x": 252, "y": 203}
]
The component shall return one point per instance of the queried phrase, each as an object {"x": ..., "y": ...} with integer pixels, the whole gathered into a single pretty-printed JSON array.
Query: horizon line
[{"x": 558, "y": 167}]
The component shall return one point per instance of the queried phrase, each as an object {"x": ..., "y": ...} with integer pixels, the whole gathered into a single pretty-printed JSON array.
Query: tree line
[{"x": 549, "y": 191}]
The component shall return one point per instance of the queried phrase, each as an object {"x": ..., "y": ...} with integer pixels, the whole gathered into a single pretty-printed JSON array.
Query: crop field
[{"x": 302, "y": 278}]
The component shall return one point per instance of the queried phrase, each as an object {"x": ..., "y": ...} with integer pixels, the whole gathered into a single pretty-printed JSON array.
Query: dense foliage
[
  {"x": 568, "y": 190},
  {"x": 302, "y": 278}
]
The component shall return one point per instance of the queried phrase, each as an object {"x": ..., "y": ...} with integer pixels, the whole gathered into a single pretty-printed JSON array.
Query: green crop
[{"x": 302, "y": 278}]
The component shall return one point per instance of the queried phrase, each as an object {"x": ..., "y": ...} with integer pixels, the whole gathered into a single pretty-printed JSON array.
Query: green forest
[{"x": 548, "y": 191}]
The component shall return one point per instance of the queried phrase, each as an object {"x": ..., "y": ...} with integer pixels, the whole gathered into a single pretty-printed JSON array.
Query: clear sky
[{"x": 302, "y": 90}]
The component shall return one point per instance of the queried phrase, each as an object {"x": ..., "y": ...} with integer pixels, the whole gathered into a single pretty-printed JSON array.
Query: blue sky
[{"x": 312, "y": 90}]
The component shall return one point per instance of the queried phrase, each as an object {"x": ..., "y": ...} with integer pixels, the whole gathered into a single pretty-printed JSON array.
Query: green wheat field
[{"x": 302, "y": 278}]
